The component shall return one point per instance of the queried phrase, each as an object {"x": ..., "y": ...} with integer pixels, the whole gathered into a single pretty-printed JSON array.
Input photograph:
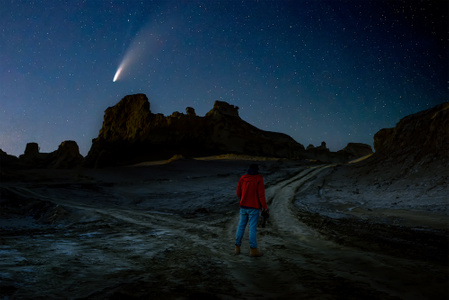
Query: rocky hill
[
  {"x": 418, "y": 143},
  {"x": 422, "y": 137},
  {"x": 411, "y": 158},
  {"x": 132, "y": 133}
]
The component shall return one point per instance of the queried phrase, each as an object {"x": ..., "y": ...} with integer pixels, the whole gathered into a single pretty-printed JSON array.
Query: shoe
[
  {"x": 253, "y": 252},
  {"x": 237, "y": 250}
]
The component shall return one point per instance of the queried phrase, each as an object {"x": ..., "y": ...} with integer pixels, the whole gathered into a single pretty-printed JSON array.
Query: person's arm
[
  {"x": 239, "y": 190},
  {"x": 261, "y": 193}
]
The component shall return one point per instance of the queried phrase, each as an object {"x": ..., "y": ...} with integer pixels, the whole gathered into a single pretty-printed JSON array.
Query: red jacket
[{"x": 251, "y": 191}]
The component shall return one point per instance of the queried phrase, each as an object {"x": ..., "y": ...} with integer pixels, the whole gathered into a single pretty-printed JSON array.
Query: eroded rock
[{"x": 131, "y": 133}]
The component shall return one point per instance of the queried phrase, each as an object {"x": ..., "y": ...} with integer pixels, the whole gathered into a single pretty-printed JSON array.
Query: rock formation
[
  {"x": 424, "y": 135},
  {"x": 419, "y": 142},
  {"x": 356, "y": 150},
  {"x": 66, "y": 157},
  {"x": 417, "y": 149},
  {"x": 350, "y": 152},
  {"x": 7, "y": 160},
  {"x": 32, "y": 157},
  {"x": 132, "y": 133}
]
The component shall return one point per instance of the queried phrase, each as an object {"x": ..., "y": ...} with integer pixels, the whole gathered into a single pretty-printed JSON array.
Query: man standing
[{"x": 251, "y": 192}]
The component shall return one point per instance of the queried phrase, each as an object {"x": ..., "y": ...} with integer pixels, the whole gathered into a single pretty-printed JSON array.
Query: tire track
[{"x": 281, "y": 197}]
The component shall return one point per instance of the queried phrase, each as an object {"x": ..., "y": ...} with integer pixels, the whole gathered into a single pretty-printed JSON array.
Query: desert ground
[{"x": 165, "y": 230}]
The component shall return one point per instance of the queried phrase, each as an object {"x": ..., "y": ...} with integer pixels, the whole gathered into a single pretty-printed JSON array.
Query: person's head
[{"x": 253, "y": 169}]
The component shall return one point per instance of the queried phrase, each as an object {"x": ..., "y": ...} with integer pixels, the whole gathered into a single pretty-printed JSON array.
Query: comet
[
  {"x": 117, "y": 74},
  {"x": 139, "y": 49},
  {"x": 128, "y": 60},
  {"x": 143, "y": 46}
]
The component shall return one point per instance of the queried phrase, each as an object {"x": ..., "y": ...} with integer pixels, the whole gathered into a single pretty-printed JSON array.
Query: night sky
[{"x": 330, "y": 70}]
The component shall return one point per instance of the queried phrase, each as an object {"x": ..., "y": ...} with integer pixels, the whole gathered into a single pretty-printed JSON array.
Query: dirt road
[{"x": 167, "y": 233}]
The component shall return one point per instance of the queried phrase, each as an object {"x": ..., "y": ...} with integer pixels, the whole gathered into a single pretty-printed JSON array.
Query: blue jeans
[{"x": 251, "y": 215}]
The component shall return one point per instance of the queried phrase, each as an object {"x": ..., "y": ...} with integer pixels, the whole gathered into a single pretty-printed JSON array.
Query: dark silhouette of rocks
[
  {"x": 190, "y": 112},
  {"x": 421, "y": 136},
  {"x": 7, "y": 160},
  {"x": 131, "y": 133},
  {"x": 416, "y": 149},
  {"x": 356, "y": 150},
  {"x": 350, "y": 152},
  {"x": 67, "y": 156},
  {"x": 31, "y": 156},
  {"x": 321, "y": 148},
  {"x": 418, "y": 142}
]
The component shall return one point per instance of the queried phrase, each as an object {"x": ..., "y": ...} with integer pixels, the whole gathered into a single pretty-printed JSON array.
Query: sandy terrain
[{"x": 167, "y": 230}]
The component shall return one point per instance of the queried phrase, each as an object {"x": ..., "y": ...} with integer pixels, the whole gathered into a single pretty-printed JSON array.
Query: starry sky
[{"x": 318, "y": 70}]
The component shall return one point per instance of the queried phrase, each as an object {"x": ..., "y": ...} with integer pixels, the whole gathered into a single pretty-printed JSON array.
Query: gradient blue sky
[{"x": 331, "y": 70}]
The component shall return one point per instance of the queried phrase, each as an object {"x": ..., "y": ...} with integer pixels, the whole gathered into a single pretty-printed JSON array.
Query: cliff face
[
  {"x": 132, "y": 133},
  {"x": 126, "y": 120},
  {"x": 424, "y": 135},
  {"x": 416, "y": 149}
]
